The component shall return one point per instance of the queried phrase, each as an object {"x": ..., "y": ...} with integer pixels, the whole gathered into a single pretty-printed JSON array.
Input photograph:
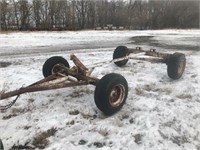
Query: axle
[{"x": 159, "y": 57}]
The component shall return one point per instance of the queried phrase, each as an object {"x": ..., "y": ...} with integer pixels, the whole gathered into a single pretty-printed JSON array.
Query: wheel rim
[
  {"x": 181, "y": 67},
  {"x": 117, "y": 95},
  {"x": 57, "y": 68}
]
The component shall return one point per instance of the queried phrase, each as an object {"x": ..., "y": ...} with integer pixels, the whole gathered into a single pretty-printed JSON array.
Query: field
[{"x": 159, "y": 114}]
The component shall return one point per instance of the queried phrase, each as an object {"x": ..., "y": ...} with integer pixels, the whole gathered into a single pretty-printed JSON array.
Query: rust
[
  {"x": 40, "y": 87},
  {"x": 66, "y": 77},
  {"x": 153, "y": 60},
  {"x": 152, "y": 53},
  {"x": 81, "y": 67},
  {"x": 80, "y": 74},
  {"x": 135, "y": 50}
]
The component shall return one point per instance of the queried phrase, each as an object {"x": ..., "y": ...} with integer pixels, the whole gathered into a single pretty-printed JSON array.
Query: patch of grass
[
  {"x": 76, "y": 93},
  {"x": 74, "y": 112},
  {"x": 70, "y": 123},
  {"x": 184, "y": 96},
  {"x": 139, "y": 90},
  {"x": 88, "y": 116},
  {"x": 31, "y": 100},
  {"x": 198, "y": 147},
  {"x": 99, "y": 144},
  {"x": 162, "y": 135},
  {"x": 27, "y": 127},
  {"x": 167, "y": 91},
  {"x": 9, "y": 116},
  {"x": 82, "y": 142},
  {"x": 131, "y": 121},
  {"x": 80, "y": 92},
  {"x": 150, "y": 87},
  {"x": 124, "y": 116},
  {"x": 17, "y": 147},
  {"x": 16, "y": 111},
  {"x": 5, "y": 64},
  {"x": 138, "y": 138},
  {"x": 179, "y": 140},
  {"x": 40, "y": 140},
  {"x": 103, "y": 131}
]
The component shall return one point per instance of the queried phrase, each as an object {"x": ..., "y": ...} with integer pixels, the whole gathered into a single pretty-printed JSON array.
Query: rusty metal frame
[
  {"x": 81, "y": 75},
  {"x": 152, "y": 56},
  {"x": 67, "y": 77},
  {"x": 146, "y": 55},
  {"x": 155, "y": 56}
]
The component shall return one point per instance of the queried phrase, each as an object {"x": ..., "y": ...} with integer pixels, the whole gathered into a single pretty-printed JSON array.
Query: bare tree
[
  {"x": 86, "y": 14},
  {"x": 24, "y": 13},
  {"x": 4, "y": 13},
  {"x": 91, "y": 15},
  {"x": 37, "y": 8}
]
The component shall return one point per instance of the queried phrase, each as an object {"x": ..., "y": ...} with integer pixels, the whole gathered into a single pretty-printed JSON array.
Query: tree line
[{"x": 88, "y": 14}]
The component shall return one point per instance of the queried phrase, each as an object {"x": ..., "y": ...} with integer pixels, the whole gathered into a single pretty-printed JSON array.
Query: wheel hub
[
  {"x": 180, "y": 67},
  {"x": 57, "y": 68},
  {"x": 117, "y": 95}
]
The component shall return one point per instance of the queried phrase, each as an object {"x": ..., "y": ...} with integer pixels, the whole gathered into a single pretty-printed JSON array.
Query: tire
[
  {"x": 120, "y": 51},
  {"x": 110, "y": 93},
  {"x": 52, "y": 65},
  {"x": 1, "y": 145},
  {"x": 176, "y": 65}
]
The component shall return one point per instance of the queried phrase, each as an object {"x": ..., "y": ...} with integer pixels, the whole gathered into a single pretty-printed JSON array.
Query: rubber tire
[
  {"x": 1, "y": 145},
  {"x": 120, "y": 51},
  {"x": 173, "y": 65},
  {"x": 52, "y": 61},
  {"x": 103, "y": 90}
]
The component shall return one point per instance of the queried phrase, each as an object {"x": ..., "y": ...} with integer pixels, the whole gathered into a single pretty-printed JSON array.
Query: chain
[{"x": 10, "y": 104}]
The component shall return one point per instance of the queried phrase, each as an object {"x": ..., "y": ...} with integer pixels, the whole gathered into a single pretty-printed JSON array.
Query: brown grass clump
[{"x": 40, "y": 140}]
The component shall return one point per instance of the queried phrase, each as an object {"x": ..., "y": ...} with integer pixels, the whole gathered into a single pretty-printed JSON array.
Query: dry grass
[
  {"x": 103, "y": 131},
  {"x": 139, "y": 90},
  {"x": 152, "y": 87},
  {"x": 179, "y": 140},
  {"x": 74, "y": 112},
  {"x": 80, "y": 92},
  {"x": 138, "y": 138},
  {"x": 5, "y": 64},
  {"x": 184, "y": 96},
  {"x": 9, "y": 116},
  {"x": 14, "y": 112},
  {"x": 41, "y": 139}
]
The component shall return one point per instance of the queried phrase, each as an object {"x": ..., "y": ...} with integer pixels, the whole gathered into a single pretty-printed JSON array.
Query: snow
[{"x": 160, "y": 113}]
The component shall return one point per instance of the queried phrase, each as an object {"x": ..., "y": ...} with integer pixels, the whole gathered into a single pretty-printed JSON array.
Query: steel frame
[
  {"x": 80, "y": 74},
  {"x": 66, "y": 77},
  {"x": 155, "y": 56}
]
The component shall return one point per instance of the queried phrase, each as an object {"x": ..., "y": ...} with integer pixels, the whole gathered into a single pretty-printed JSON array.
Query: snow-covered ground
[{"x": 159, "y": 114}]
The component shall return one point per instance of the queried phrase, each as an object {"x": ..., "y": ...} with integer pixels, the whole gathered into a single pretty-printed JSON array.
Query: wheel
[
  {"x": 54, "y": 65},
  {"x": 120, "y": 51},
  {"x": 1, "y": 145},
  {"x": 176, "y": 65},
  {"x": 110, "y": 93}
]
